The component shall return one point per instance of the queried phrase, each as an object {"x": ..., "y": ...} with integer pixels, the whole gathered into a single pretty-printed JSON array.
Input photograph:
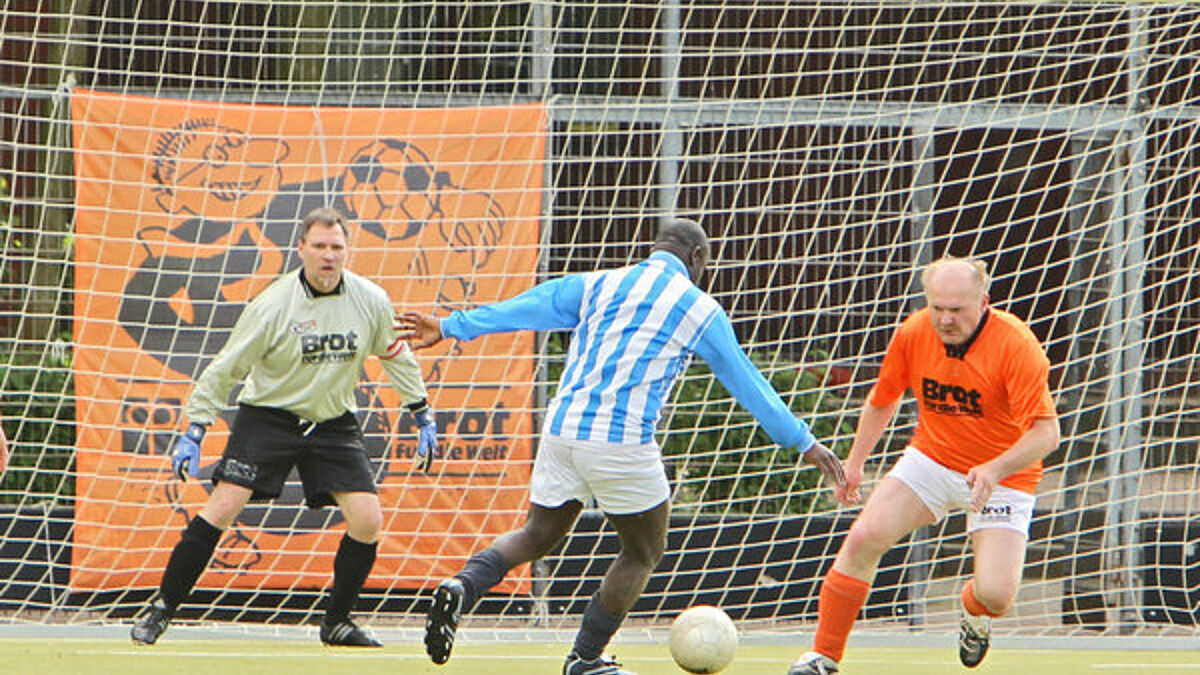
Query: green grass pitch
[{"x": 291, "y": 657}]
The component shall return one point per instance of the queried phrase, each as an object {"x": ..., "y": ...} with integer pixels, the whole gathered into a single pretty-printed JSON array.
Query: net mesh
[{"x": 829, "y": 150}]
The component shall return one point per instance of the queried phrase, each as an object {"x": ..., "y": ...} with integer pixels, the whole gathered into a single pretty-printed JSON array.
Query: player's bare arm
[
  {"x": 871, "y": 423},
  {"x": 3, "y": 452},
  {"x": 1039, "y": 441}
]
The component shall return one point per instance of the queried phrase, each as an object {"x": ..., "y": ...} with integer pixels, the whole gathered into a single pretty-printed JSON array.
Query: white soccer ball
[{"x": 703, "y": 639}]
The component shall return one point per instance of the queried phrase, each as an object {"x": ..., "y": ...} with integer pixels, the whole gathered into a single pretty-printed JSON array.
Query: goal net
[{"x": 156, "y": 157}]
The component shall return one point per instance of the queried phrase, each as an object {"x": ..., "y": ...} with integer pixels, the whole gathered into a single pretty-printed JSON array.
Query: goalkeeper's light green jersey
[{"x": 303, "y": 352}]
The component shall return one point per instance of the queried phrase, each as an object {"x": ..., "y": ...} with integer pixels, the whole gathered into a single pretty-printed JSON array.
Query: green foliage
[
  {"x": 724, "y": 461},
  {"x": 37, "y": 406},
  {"x": 39, "y": 421}
]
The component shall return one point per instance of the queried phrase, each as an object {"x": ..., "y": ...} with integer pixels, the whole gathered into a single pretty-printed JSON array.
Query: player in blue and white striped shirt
[{"x": 632, "y": 332}]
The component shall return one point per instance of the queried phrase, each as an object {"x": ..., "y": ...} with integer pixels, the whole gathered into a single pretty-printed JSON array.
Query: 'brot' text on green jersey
[{"x": 303, "y": 352}]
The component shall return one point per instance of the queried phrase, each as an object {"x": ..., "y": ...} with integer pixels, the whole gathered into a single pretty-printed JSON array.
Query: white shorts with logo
[
  {"x": 622, "y": 479},
  {"x": 943, "y": 489}
]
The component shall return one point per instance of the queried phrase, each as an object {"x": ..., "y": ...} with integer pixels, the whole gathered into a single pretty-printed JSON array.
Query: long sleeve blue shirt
[{"x": 632, "y": 332}]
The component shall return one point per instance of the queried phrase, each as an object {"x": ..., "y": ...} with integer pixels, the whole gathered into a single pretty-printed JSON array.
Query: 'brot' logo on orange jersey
[{"x": 950, "y": 399}]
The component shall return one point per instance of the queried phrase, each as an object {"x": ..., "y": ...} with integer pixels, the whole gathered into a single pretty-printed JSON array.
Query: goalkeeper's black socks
[
  {"x": 482, "y": 571},
  {"x": 596, "y": 631},
  {"x": 188, "y": 561},
  {"x": 350, "y": 570}
]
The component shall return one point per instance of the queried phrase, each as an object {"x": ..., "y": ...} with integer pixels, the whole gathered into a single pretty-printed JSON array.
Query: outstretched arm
[
  {"x": 719, "y": 348},
  {"x": 553, "y": 304}
]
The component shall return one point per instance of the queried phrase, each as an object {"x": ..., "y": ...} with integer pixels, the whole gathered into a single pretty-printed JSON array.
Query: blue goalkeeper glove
[
  {"x": 426, "y": 439},
  {"x": 185, "y": 457}
]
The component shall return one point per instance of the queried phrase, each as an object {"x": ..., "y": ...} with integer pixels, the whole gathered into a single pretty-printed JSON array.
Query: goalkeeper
[
  {"x": 985, "y": 420},
  {"x": 633, "y": 330},
  {"x": 300, "y": 346}
]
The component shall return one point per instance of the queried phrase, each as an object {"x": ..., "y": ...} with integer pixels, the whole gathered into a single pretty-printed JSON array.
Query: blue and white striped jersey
[{"x": 633, "y": 330}]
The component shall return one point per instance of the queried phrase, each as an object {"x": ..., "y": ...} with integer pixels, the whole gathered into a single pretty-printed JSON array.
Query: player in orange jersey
[{"x": 985, "y": 420}]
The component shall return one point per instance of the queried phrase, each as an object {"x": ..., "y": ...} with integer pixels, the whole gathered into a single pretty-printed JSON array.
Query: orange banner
[{"x": 185, "y": 210}]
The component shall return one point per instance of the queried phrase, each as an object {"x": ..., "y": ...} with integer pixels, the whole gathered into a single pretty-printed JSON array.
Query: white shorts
[
  {"x": 622, "y": 479},
  {"x": 944, "y": 489}
]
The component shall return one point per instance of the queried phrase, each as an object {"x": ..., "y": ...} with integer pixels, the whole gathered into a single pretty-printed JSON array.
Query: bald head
[
  {"x": 686, "y": 240},
  {"x": 956, "y": 293},
  {"x": 968, "y": 273}
]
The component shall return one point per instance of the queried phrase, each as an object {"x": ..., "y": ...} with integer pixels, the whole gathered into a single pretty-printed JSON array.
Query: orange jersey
[{"x": 970, "y": 409}]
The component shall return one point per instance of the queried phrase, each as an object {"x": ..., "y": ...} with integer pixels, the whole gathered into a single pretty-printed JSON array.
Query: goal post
[{"x": 155, "y": 158}]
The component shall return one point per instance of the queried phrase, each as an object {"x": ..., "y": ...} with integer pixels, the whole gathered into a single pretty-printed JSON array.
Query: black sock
[
  {"x": 482, "y": 571},
  {"x": 188, "y": 560},
  {"x": 598, "y": 628},
  {"x": 350, "y": 570}
]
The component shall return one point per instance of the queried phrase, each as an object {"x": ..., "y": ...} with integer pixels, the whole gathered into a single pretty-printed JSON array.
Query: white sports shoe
[
  {"x": 974, "y": 636},
  {"x": 813, "y": 663}
]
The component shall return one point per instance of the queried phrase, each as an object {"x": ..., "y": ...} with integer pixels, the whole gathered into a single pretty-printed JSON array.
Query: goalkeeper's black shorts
[{"x": 265, "y": 443}]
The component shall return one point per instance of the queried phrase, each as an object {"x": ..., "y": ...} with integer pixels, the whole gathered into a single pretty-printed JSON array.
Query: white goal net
[{"x": 155, "y": 158}]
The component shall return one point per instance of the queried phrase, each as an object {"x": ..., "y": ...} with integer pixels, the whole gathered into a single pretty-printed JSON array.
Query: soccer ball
[
  {"x": 703, "y": 639},
  {"x": 391, "y": 188}
]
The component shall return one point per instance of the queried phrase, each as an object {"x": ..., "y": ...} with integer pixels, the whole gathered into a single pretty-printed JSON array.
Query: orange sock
[
  {"x": 837, "y": 607},
  {"x": 972, "y": 604}
]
